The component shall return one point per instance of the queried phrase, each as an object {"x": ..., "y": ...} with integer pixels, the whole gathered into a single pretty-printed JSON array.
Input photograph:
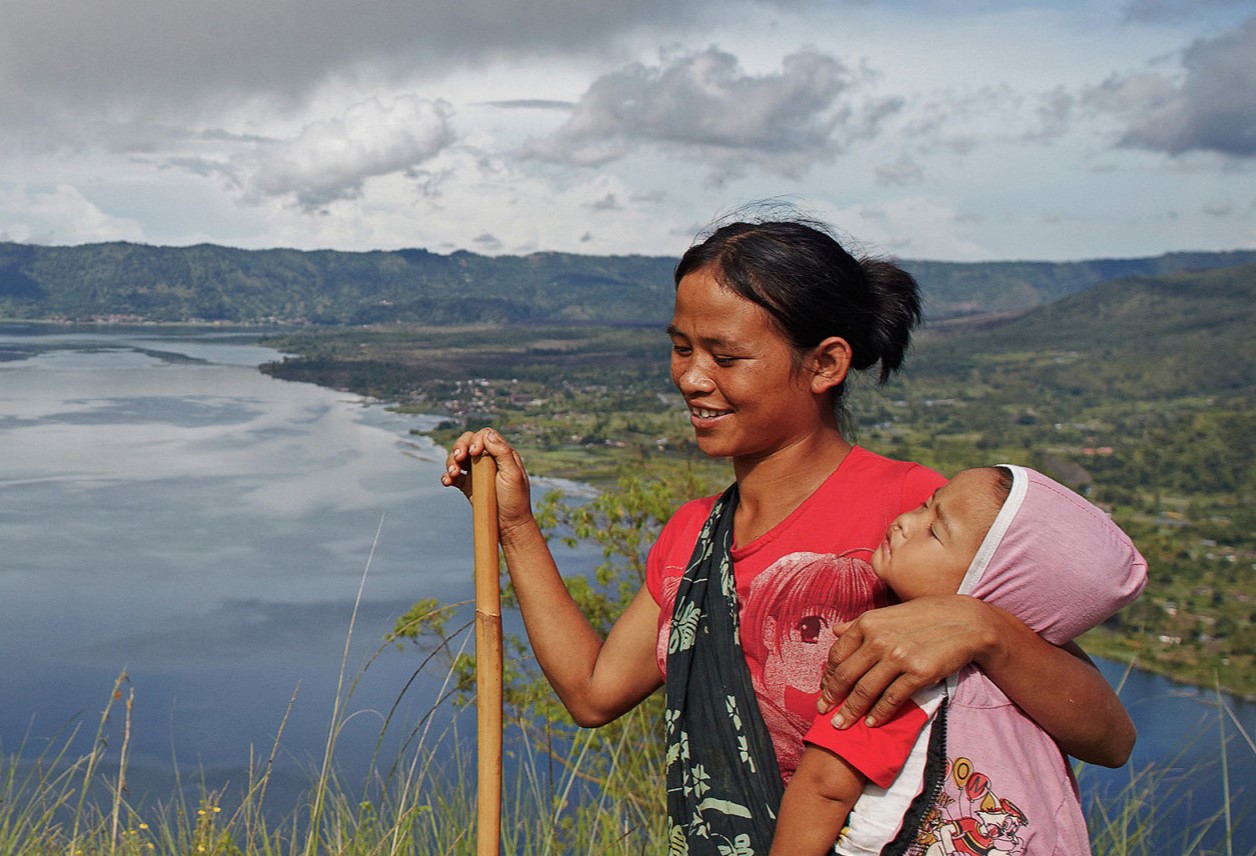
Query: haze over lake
[{"x": 167, "y": 510}]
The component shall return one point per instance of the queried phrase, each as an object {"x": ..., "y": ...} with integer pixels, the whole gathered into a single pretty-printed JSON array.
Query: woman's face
[{"x": 745, "y": 394}]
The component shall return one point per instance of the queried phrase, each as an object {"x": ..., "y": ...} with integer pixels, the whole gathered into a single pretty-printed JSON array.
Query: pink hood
[{"x": 1054, "y": 560}]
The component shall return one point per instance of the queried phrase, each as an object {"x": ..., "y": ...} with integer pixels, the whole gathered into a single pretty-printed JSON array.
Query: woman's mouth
[{"x": 706, "y": 413}]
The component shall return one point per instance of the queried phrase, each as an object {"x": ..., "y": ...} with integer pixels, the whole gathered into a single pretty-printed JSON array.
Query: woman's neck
[{"x": 771, "y": 488}]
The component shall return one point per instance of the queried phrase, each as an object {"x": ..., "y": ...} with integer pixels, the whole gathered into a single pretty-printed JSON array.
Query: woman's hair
[{"x": 812, "y": 288}]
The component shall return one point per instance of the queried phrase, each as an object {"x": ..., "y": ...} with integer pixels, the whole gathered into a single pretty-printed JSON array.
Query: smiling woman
[
  {"x": 770, "y": 319},
  {"x": 744, "y": 393},
  {"x": 782, "y": 306}
]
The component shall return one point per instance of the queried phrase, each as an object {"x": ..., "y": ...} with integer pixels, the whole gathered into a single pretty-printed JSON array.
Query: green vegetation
[
  {"x": 1138, "y": 393},
  {"x": 213, "y": 284}
]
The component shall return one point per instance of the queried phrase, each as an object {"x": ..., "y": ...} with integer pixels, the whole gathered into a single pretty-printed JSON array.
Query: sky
[{"x": 964, "y": 130}]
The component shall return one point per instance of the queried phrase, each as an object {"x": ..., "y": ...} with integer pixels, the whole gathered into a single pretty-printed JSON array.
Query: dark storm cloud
[
  {"x": 1210, "y": 107},
  {"x": 706, "y": 105}
]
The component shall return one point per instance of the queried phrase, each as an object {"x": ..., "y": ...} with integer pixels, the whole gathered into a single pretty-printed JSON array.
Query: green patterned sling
[{"x": 723, "y": 783}]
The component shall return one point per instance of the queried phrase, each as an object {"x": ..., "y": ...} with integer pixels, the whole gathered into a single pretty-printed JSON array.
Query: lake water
[{"x": 167, "y": 510}]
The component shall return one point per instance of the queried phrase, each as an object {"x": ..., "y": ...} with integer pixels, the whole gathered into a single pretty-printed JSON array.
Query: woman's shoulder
[
  {"x": 674, "y": 546},
  {"x": 681, "y": 530},
  {"x": 689, "y": 516}
]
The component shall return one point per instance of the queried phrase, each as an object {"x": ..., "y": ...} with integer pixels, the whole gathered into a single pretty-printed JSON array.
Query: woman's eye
[{"x": 724, "y": 362}]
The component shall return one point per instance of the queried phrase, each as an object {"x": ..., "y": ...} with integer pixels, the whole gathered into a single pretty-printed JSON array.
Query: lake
[{"x": 169, "y": 511}]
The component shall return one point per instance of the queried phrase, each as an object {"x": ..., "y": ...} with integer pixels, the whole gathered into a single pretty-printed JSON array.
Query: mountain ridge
[
  {"x": 214, "y": 283},
  {"x": 1181, "y": 333}
]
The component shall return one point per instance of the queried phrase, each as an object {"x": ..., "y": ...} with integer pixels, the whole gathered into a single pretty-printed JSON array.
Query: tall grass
[
  {"x": 423, "y": 804},
  {"x": 558, "y": 796},
  {"x": 557, "y": 801}
]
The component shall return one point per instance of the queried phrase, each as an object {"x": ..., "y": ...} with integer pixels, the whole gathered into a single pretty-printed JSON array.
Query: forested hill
[
  {"x": 1140, "y": 338},
  {"x": 214, "y": 283}
]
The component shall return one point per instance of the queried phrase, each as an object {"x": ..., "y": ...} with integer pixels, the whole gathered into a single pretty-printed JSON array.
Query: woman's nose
[{"x": 691, "y": 378}]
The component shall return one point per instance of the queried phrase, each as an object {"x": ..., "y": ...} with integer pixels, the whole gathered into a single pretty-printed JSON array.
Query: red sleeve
[{"x": 878, "y": 753}]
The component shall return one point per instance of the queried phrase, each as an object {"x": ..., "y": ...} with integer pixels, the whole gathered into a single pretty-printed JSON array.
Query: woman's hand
[
  {"x": 885, "y": 655},
  {"x": 596, "y": 681},
  {"x": 514, "y": 499}
]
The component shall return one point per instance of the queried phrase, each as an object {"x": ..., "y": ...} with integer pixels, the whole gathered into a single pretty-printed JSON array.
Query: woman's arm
[
  {"x": 885, "y": 655},
  {"x": 596, "y": 680}
]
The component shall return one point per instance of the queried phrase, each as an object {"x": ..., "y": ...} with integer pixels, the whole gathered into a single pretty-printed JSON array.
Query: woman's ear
[{"x": 830, "y": 363}]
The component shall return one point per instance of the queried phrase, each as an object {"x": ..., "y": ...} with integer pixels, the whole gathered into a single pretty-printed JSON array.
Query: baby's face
[{"x": 928, "y": 550}]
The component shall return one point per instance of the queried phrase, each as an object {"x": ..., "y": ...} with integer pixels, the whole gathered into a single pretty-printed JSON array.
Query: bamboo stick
[{"x": 488, "y": 657}]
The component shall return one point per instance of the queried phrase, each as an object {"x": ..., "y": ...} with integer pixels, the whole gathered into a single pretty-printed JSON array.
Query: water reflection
[{"x": 168, "y": 510}]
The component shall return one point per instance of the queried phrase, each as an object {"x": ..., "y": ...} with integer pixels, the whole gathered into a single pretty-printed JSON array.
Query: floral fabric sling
[{"x": 723, "y": 783}]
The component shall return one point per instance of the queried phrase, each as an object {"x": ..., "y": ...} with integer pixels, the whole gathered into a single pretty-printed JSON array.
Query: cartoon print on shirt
[
  {"x": 786, "y": 634},
  {"x": 970, "y": 818}
]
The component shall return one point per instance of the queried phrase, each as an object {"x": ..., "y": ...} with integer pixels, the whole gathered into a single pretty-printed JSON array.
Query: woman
[{"x": 770, "y": 319}]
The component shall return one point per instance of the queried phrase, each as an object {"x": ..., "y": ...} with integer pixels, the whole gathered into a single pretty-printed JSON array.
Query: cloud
[
  {"x": 58, "y": 214},
  {"x": 901, "y": 172},
  {"x": 609, "y": 202},
  {"x": 532, "y": 104},
  {"x": 706, "y": 107},
  {"x": 1210, "y": 107},
  {"x": 180, "y": 52},
  {"x": 916, "y": 227},
  {"x": 486, "y": 243},
  {"x": 330, "y": 159},
  {"x": 1055, "y": 115}
]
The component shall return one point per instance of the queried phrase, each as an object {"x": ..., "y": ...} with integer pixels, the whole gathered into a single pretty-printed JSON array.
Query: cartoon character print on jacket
[{"x": 970, "y": 818}]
